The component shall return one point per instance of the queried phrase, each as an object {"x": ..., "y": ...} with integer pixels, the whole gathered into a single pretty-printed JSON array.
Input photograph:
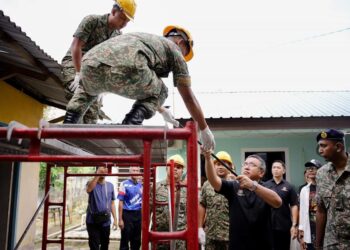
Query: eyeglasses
[{"x": 249, "y": 164}]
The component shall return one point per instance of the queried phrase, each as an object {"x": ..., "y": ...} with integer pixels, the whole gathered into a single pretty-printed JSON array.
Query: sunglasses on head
[{"x": 182, "y": 34}]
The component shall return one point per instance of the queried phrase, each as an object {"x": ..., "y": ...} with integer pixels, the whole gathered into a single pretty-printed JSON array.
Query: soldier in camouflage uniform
[
  {"x": 131, "y": 65},
  {"x": 213, "y": 210},
  {"x": 333, "y": 193},
  {"x": 162, "y": 211},
  {"x": 92, "y": 30}
]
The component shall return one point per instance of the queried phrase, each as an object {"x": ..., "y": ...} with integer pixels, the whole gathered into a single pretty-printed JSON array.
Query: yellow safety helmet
[
  {"x": 188, "y": 37},
  {"x": 224, "y": 156},
  {"x": 128, "y": 7},
  {"x": 177, "y": 159}
]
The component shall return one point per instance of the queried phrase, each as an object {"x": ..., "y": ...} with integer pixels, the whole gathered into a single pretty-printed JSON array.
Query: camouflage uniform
[
  {"x": 217, "y": 218},
  {"x": 333, "y": 193},
  {"x": 162, "y": 214},
  {"x": 131, "y": 65},
  {"x": 92, "y": 30}
]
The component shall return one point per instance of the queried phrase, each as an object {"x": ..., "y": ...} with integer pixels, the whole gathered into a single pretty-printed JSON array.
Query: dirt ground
[
  {"x": 76, "y": 245},
  {"x": 69, "y": 244}
]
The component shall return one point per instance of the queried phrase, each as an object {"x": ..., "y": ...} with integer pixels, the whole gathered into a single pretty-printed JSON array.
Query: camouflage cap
[{"x": 313, "y": 163}]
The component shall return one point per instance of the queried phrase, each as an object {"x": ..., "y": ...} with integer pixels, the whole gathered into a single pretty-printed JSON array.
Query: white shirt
[{"x": 304, "y": 221}]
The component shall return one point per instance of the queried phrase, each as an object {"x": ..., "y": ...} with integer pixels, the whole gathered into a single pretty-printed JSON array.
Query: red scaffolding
[{"x": 35, "y": 137}]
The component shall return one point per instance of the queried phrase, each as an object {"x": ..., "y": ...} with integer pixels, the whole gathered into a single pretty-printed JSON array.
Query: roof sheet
[
  {"x": 21, "y": 37},
  {"x": 36, "y": 73},
  {"x": 271, "y": 104}
]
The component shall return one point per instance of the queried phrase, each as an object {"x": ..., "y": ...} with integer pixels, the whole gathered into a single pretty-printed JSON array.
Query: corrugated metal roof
[
  {"x": 21, "y": 37},
  {"x": 28, "y": 67},
  {"x": 271, "y": 104}
]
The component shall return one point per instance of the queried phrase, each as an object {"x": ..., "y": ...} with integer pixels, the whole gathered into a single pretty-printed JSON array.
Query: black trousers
[
  {"x": 310, "y": 246},
  {"x": 132, "y": 230},
  {"x": 281, "y": 240},
  {"x": 98, "y": 236}
]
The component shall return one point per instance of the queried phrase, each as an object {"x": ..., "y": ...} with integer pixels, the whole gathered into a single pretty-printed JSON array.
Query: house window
[{"x": 269, "y": 157}]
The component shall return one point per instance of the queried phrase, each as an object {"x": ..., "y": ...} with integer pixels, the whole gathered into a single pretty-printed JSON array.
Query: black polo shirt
[
  {"x": 281, "y": 217},
  {"x": 250, "y": 227}
]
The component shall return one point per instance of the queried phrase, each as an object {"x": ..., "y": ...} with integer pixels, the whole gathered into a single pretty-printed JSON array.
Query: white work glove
[
  {"x": 168, "y": 117},
  {"x": 100, "y": 98},
  {"x": 75, "y": 84},
  {"x": 207, "y": 139},
  {"x": 201, "y": 236}
]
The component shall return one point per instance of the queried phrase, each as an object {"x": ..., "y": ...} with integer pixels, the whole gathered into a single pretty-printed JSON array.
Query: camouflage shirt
[
  {"x": 128, "y": 54},
  {"x": 93, "y": 30},
  {"x": 217, "y": 211},
  {"x": 333, "y": 193},
  {"x": 162, "y": 211}
]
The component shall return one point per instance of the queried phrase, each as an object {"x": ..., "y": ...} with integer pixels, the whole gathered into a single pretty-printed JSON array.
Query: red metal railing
[{"x": 187, "y": 133}]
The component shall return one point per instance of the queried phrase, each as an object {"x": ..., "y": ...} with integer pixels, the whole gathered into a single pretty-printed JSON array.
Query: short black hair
[{"x": 279, "y": 161}]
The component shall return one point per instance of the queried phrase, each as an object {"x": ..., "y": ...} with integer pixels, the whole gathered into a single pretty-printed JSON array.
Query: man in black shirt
[
  {"x": 285, "y": 218},
  {"x": 249, "y": 204}
]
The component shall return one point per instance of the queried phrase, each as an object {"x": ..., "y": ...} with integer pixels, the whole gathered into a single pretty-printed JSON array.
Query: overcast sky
[{"x": 239, "y": 45}]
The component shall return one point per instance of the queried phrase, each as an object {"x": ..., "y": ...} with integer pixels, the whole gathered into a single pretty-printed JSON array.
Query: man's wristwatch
[{"x": 254, "y": 186}]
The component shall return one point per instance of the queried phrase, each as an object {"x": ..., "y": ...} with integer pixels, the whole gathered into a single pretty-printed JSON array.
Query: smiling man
[
  {"x": 333, "y": 192},
  {"x": 250, "y": 204}
]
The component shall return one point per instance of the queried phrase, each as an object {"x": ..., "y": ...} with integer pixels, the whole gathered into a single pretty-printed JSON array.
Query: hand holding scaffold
[
  {"x": 207, "y": 136},
  {"x": 168, "y": 116}
]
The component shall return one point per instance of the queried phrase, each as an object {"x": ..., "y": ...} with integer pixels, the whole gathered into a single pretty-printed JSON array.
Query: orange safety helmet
[
  {"x": 189, "y": 39},
  {"x": 224, "y": 156},
  {"x": 177, "y": 159}
]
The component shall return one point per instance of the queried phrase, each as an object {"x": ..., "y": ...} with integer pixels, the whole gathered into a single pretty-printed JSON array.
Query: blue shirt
[
  {"x": 100, "y": 201},
  {"x": 131, "y": 193}
]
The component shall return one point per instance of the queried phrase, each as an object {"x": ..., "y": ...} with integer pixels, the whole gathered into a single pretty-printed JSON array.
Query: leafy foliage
[{"x": 57, "y": 175}]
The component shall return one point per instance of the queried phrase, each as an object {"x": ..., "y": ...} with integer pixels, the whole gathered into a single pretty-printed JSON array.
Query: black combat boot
[
  {"x": 71, "y": 117},
  {"x": 136, "y": 115}
]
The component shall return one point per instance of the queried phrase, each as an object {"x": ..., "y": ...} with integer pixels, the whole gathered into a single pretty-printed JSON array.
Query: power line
[{"x": 312, "y": 37}]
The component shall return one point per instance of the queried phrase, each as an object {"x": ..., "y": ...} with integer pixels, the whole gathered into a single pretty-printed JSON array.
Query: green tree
[{"x": 57, "y": 175}]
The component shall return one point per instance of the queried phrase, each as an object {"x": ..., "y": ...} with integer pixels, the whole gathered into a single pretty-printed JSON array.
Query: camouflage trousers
[
  {"x": 92, "y": 113},
  {"x": 139, "y": 83},
  {"x": 216, "y": 244},
  {"x": 339, "y": 246},
  {"x": 179, "y": 245}
]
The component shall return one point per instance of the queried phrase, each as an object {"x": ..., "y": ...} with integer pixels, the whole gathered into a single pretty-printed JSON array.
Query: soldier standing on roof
[
  {"x": 132, "y": 65},
  {"x": 92, "y": 30}
]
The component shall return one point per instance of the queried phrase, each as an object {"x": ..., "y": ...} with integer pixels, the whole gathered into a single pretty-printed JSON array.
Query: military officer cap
[
  {"x": 330, "y": 134},
  {"x": 313, "y": 163}
]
